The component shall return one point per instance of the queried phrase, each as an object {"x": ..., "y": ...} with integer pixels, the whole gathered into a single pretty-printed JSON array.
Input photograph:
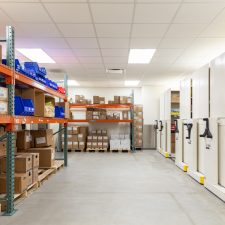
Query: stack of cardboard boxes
[
  {"x": 77, "y": 138},
  {"x": 138, "y": 126},
  {"x": 96, "y": 114},
  {"x": 98, "y": 100},
  {"x": 80, "y": 99},
  {"x": 120, "y": 142},
  {"x": 98, "y": 140},
  {"x": 120, "y": 100},
  {"x": 3, "y": 100},
  {"x": 38, "y": 141}
]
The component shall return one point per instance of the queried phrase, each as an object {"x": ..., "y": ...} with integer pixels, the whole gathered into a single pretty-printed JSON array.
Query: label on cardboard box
[{"x": 40, "y": 140}]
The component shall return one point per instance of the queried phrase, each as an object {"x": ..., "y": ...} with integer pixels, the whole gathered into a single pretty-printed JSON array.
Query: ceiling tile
[
  {"x": 115, "y": 52},
  {"x": 198, "y": 12},
  {"x": 90, "y": 59},
  {"x": 37, "y": 30},
  {"x": 60, "y": 1},
  {"x": 149, "y": 30},
  {"x": 166, "y": 55},
  {"x": 155, "y": 13},
  {"x": 77, "y": 30},
  {"x": 144, "y": 42},
  {"x": 116, "y": 65},
  {"x": 93, "y": 66},
  {"x": 59, "y": 52},
  {"x": 175, "y": 42},
  {"x": 3, "y": 17},
  {"x": 111, "y": 1},
  {"x": 82, "y": 42},
  {"x": 26, "y": 12},
  {"x": 115, "y": 60},
  {"x": 65, "y": 60},
  {"x": 87, "y": 52},
  {"x": 184, "y": 30},
  {"x": 112, "y": 13},
  {"x": 113, "y": 30},
  {"x": 114, "y": 42},
  {"x": 73, "y": 13}
]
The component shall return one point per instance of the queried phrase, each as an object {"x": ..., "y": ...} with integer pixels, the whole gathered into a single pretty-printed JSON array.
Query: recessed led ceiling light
[
  {"x": 131, "y": 82},
  {"x": 140, "y": 56},
  {"x": 36, "y": 55}
]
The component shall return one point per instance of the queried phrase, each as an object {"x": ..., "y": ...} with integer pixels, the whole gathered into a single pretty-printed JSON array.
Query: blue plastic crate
[
  {"x": 34, "y": 66},
  {"x": 59, "y": 112},
  {"x": 24, "y": 107}
]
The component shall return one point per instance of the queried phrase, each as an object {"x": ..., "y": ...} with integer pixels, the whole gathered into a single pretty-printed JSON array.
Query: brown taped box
[
  {"x": 23, "y": 140},
  {"x": 105, "y": 139},
  {"x": 99, "y": 144},
  {"x": 105, "y": 145},
  {"x": 23, "y": 163},
  {"x": 96, "y": 100},
  {"x": 20, "y": 183},
  {"x": 81, "y": 137},
  {"x": 83, "y": 130},
  {"x": 69, "y": 145},
  {"x": 66, "y": 107},
  {"x": 76, "y": 145},
  {"x": 100, "y": 138},
  {"x": 2, "y": 148},
  {"x": 94, "y": 145},
  {"x": 89, "y": 138},
  {"x": 81, "y": 145},
  {"x": 123, "y": 99},
  {"x": 42, "y": 138},
  {"x": 46, "y": 156},
  {"x": 29, "y": 175},
  {"x": 94, "y": 138},
  {"x": 104, "y": 132},
  {"x": 35, "y": 158},
  {"x": 76, "y": 130},
  {"x": 34, "y": 174},
  {"x": 3, "y": 94},
  {"x": 102, "y": 100},
  {"x": 89, "y": 144},
  {"x": 117, "y": 99},
  {"x": 99, "y": 132}
]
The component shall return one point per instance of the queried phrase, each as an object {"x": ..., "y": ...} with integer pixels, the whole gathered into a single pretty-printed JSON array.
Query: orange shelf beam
[
  {"x": 101, "y": 106},
  {"x": 100, "y": 121},
  {"x": 5, "y": 71},
  {"x": 6, "y": 119}
]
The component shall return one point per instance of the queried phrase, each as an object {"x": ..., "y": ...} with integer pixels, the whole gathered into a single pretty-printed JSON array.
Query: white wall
[{"x": 150, "y": 100}]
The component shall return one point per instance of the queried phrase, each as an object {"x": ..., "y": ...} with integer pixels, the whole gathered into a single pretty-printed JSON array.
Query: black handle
[
  {"x": 156, "y": 125},
  {"x": 189, "y": 127},
  {"x": 207, "y": 132},
  {"x": 161, "y": 125},
  {"x": 176, "y": 126}
]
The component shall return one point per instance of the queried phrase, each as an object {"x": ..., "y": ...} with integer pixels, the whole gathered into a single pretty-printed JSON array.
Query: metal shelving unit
[
  {"x": 129, "y": 106},
  {"x": 11, "y": 79}
]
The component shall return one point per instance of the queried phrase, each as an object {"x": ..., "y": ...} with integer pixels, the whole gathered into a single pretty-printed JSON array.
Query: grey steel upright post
[
  {"x": 65, "y": 126},
  {"x": 10, "y": 83},
  {"x": 132, "y": 123}
]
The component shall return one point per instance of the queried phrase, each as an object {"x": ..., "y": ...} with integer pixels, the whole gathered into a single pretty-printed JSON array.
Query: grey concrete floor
[{"x": 142, "y": 188}]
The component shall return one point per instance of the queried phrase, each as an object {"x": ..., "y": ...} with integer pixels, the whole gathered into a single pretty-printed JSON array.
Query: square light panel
[
  {"x": 140, "y": 56},
  {"x": 36, "y": 55},
  {"x": 131, "y": 83}
]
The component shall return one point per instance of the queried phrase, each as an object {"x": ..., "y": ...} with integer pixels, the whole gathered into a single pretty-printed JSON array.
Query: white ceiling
[{"x": 85, "y": 37}]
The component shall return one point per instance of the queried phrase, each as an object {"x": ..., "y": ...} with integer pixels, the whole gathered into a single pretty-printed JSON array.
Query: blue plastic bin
[
  {"x": 24, "y": 107},
  {"x": 59, "y": 112},
  {"x": 34, "y": 66}
]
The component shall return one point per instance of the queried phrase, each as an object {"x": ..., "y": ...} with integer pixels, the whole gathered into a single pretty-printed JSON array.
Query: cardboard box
[
  {"x": 42, "y": 138},
  {"x": 117, "y": 99},
  {"x": 35, "y": 158},
  {"x": 89, "y": 144},
  {"x": 3, "y": 107},
  {"x": 81, "y": 145},
  {"x": 96, "y": 100},
  {"x": 104, "y": 132},
  {"x": 29, "y": 177},
  {"x": 100, "y": 138},
  {"x": 105, "y": 145},
  {"x": 99, "y": 132},
  {"x": 94, "y": 145},
  {"x": 95, "y": 113},
  {"x": 94, "y": 132},
  {"x": 95, "y": 117},
  {"x": 20, "y": 183},
  {"x": 34, "y": 174},
  {"x": 89, "y": 115},
  {"x": 123, "y": 99},
  {"x": 66, "y": 107},
  {"x": 49, "y": 106},
  {"x": 46, "y": 156},
  {"x": 84, "y": 131},
  {"x": 2, "y": 148},
  {"x": 102, "y": 100},
  {"x": 99, "y": 144},
  {"x": 105, "y": 139},
  {"x": 175, "y": 97},
  {"x": 102, "y": 117},
  {"x": 81, "y": 137},
  {"x": 74, "y": 137},
  {"x": 76, "y": 130},
  {"x": 89, "y": 138},
  {"x": 76, "y": 145},
  {"x": 3, "y": 94},
  {"x": 23, "y": 140},
  {"x": 95, "y": 138}
]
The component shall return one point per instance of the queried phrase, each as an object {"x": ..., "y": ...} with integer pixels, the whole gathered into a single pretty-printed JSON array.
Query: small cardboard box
[
  {"x": 95, "y": 138},
  {"x": 29, "y": 175},
  {"x": 123, "y": 99},
  {"x": 46, "y": 156},
  {"x": 96, "y": 117},
  {"x": 83, "y": 130},
  {"x": 96, "y": 100},
  {"x": 35, "y": 159},
  {"x": 100, "y": 138},
  {"x": 89, "y": 115},
  {"x": 117, "y": 99},
  {"x": 3, "y": 107},
  {"x": 99, "y": 132},
  {"x": 2, "y": 148},
  {"x": 99, "y": 144},
  {"x": 34, "y": 174},
  {"x": 94, "y": 145},
  {"x": 81, "y": 137},
  {"x": 23, "y": 140},
  {"x": 42, "y": 138},
  {"x": 3, "y": 94},
  {"x": 104, "y": 132},
  {"x": 102, "y": 100},
  {"x": 94, "y": 132},
  {"x": 105, "y": 139},
  {"x": 76, "y": 145},
  {"x": 76, "y": 130},
  {"x": 20, "y": 183},
  {"x": 81, "y": 145},
  {"x": 89, "y": 138},
  {"x": 105, "y": 144},
  {"x": 89, "y": 144}
]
